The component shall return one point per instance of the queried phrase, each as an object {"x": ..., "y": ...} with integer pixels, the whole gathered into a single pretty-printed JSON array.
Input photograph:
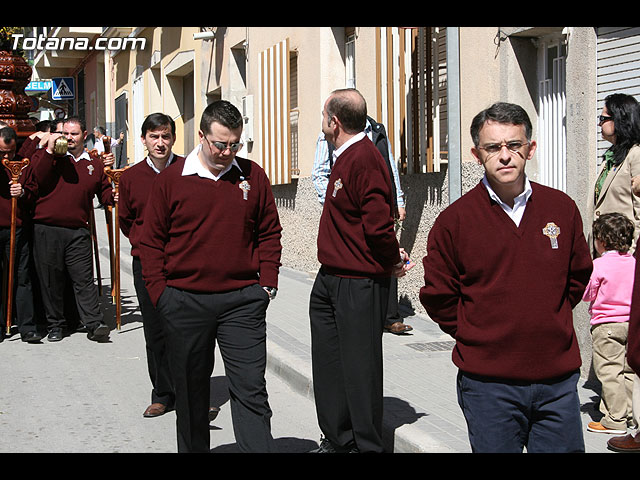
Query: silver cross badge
[
  {"x": 245, "y": 187},
  {"x": 552, "y": 231},
  {"x": 337, "y": 185},
  {"x": 90, "y": 168}
]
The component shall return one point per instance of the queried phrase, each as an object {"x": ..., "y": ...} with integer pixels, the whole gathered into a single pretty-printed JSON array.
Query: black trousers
[
  {"x": 392, "y": 315},
  {"x": 236, "y": 320},
  {"x": 347, "y": 316},
  {"x": 22, "y": 289},
  {"x": 155, "y": 343},
  {"x": 58, "y": 250}
]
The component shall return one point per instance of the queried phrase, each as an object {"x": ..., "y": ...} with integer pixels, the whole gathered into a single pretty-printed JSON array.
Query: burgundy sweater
[
  {"x": 633, "y": 342},
  {"x": 66, "y": 189},
  {"x": 24, "y": 203},
  {"x": 29, "y": 147},
  {"x": 134, "y": 188},
  {"x": 502, "y": 291},
  {"x": 201, "y": 235},
  {"x": 356, "y": 236}
]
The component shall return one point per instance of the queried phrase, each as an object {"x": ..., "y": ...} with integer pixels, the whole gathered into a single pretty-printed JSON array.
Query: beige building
[{"x": 424, "y": 83}]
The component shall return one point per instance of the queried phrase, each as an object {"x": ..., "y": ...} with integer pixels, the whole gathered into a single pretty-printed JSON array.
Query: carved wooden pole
[
  {"x": 15, "y": 167},
  {"x": 94, "y": 235},
  {"x": 114, "y": 175},
  {"x": 108, "y": 216}
]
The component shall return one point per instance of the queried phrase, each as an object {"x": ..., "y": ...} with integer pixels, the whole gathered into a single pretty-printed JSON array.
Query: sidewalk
[{"x": 421, "y": 409}]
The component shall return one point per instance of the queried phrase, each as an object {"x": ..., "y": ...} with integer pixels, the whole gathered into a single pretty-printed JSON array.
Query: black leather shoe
[
  {"x": 55, "y": 335},
  {"x": 99, "y": 333},
  {"x": 31, "y": 337},
  {"x": 325, "y": 447}
]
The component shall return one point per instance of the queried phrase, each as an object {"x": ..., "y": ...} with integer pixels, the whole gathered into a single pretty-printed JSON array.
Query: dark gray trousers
[
  {"x": 234, "y": 320},
  {"x": 155, "y": 342},
  {"x": 60, "y": 249},
  {"x": 22, "y": 290},
  {"x": 347, "y": 315}
]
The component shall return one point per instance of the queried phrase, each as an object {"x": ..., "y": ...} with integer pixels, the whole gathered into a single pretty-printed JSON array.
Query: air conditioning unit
[{"x": 247, "y": 114}]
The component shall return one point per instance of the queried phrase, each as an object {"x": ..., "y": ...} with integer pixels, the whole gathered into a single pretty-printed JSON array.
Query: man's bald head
[{"x": 350, "y": 107}]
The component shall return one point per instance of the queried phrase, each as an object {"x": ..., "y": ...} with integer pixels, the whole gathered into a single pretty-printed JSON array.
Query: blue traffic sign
[{"x": 63, "y": 88}]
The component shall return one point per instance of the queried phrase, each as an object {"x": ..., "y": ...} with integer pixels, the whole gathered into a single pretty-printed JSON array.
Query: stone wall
[{"x": 426, "y": 195}]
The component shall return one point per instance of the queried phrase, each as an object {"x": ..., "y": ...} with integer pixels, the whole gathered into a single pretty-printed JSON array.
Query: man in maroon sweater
[
  {"x": 25, "y": 191},
  {"x": 62, "y": 241},
  {"x": 359, "y": 252},
  {"x": 158, "y": 137},
  {"x": 210, "y": 252},
  {"x": 505, "y": 266}
]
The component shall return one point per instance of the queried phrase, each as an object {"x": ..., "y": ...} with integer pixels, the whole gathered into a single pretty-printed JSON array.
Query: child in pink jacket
[{"x": 609, "y": 291}]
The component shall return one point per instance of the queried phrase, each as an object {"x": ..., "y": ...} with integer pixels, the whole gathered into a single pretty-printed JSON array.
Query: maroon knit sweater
[
  {"x": 633, "y": 345},
  {"x": 203, "y": 236},
  {"x": 502, "y": 291},
  {"x": 24, "y": 203},
  {"x": 29, "y": 147},
  {"x": 134, "y": 188},
  {"x": 66, "y": 189},
  {"x": 356, "y": 237}
]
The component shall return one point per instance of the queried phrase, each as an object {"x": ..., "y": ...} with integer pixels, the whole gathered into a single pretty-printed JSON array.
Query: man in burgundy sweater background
[
  {"x": 358, "y": 252},
  {"x": 210, "y": 252},
  {"x": 25, "y": 190},
  {"x": 158, "y": 137},
  {"x": 506, "y": 264},
  {"x": 61, "y": 237}
]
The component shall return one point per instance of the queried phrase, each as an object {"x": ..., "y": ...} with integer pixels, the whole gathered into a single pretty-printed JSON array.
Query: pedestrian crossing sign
[{"x": 63, "y": 88}]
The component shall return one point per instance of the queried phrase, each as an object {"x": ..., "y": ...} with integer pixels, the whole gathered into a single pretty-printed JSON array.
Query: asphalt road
[{"x": 79, "y": 396}]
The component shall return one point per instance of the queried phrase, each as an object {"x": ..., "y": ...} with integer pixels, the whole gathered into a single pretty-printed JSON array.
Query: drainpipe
[{"x": 453, "y": 111}]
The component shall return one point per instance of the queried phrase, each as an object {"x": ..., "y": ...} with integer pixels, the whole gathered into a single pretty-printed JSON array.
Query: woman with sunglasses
[{"x": 620, "y": 125}]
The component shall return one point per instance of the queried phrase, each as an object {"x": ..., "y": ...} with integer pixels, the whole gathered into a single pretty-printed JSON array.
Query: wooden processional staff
[
  {"x": 15, "y": 167},
  {"x": 114, "y": 174}
]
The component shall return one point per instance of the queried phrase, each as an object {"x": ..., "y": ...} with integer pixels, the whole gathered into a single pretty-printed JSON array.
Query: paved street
[{"x": 81, "y": 396}]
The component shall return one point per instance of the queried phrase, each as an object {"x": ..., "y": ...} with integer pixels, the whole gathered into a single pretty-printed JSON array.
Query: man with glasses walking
[
  {"x": 505, "y": 266},
  {"x": 210, "y": 253}
]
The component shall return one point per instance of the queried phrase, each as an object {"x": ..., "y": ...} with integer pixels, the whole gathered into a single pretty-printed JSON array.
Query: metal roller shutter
[{"x": 618, "y": 67}]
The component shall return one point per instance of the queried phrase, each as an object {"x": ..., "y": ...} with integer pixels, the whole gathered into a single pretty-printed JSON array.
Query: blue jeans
[{"x": 507, "y": 416}]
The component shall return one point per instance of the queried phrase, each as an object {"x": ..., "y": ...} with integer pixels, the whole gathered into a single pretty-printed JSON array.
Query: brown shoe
[
  {"x": 398, "y": 328},
  {"x": 597, "y": 427},
  {"x": 155, "y": 410},
  {"x": 626, "y": 443}
]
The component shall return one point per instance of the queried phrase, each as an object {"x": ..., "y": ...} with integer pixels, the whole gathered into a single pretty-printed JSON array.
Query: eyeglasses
[
  {"x": 493, "y": 148},
  {"x": 234, "y": 147},
  {"x": 603, "y": 118}
]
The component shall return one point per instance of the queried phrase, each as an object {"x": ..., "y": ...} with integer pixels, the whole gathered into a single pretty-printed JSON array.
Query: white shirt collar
[
  {"x": 337, "y": 152},
  {"x": 84, "y": 155},
  {"x": 519, "y": 203},
  {"x": 193, "y": 166},
  {"x": 153, "y": 167}
]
